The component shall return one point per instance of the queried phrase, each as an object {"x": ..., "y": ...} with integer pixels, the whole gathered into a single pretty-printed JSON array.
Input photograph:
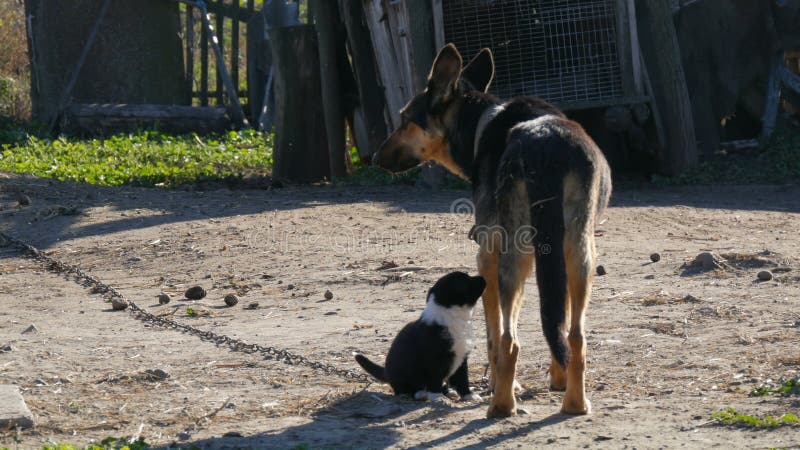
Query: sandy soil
[{"x": 668, "y": 345}]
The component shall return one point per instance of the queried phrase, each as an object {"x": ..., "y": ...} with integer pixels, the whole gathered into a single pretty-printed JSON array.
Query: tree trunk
[
  {"x": 301, "y": 145},
  {"x": 663, "y": 59},
  {"x": 326, "y": 19}
]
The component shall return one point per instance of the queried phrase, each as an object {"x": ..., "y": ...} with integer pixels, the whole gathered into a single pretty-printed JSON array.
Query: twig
[{"x": 212, "y": 413}]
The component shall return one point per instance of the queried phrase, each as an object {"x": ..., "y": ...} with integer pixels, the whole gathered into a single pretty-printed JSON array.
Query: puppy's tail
[{"x": 373, "y": 369}]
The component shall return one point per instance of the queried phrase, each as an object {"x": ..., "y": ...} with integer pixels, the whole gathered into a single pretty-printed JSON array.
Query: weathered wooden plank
[
  {"x": 326, "y": 20},
  {"x": 235, "y": 46},
  {"x": 217, "y": 43},
  {"x": 237, "y": 113},
  {"x": 300, "y": 147},
  {"x": 663, "y": 58},
  {"x": 386, "y": 61},
  {"x": 190, "y": 48},
  {"x": 773, "y": 98},
  {"x": 438, "y": 23},
  {"x": 108, "y": 119},
  {"x": 370, "y": 92},
  {"x": 203, "y": 66}
]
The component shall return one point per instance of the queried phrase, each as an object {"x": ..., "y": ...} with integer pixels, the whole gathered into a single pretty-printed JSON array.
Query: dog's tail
[{"x": 373, "y": 369}]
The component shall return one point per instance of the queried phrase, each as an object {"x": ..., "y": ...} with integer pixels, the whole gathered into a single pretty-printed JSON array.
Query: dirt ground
[{"x": 668, "y": 345}]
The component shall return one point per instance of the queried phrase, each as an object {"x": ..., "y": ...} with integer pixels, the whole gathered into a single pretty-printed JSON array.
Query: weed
[
  {"x": 790, "y": 387},
  {"x": 147, "y": 158},
  {"x": 731, "y": 417},
  {"x": 776, "y": 162}
]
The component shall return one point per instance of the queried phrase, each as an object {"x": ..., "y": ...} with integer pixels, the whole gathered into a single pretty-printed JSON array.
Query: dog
[
  {"x": 434, "y": 349},
  {"x": 539, "y": 184}
]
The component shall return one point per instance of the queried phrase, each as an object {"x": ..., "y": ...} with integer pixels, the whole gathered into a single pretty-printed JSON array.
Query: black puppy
[{"x": 434, "y": 349}]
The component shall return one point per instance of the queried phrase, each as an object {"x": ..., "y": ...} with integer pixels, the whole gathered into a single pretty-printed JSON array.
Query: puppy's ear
[
  {"x": 477, "y": 285},
  {"x": 480, "y": 71},
  {"x": 444, "y": 74}
]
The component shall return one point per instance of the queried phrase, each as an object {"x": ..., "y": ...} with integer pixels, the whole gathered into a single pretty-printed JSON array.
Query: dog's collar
[{"x": 487, "y": 116}]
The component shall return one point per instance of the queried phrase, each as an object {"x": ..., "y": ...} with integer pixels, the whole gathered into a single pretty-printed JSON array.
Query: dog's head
[
  {"x": 457, "y": 289},
  {"x": 429, "y": 119}
]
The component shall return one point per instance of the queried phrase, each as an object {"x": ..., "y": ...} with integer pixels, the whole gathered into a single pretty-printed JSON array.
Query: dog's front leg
[{"x": 487, "y": 266}]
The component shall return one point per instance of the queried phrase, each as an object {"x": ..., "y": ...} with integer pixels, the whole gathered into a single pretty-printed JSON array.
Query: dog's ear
[
  {"x": 480, "y": 71},
  {"x": 444, "y": 74},
  {"x": 477, "y": 285}
]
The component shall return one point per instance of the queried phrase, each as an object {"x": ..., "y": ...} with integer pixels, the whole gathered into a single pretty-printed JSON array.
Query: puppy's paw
[{"x": 471, "y": 397}]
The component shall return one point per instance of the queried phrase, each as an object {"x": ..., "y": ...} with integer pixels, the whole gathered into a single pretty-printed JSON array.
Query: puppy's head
[
  {"x": 430, "y": 117},
  {"x": 457, "y": 289}
]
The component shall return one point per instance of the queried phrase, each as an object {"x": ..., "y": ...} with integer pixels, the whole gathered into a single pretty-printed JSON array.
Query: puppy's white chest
[{"x": 457, "y": 321}]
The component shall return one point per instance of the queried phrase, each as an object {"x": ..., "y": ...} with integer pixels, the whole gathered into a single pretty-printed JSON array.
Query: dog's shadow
[{"x": 370, "y": 419}]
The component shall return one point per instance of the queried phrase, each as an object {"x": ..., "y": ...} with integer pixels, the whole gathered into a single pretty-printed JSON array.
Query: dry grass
[{"x": 15, "y": 101}]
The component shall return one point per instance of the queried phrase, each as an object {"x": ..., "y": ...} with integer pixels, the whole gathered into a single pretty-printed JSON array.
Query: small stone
[
  {"x": 7, "y": 348},
  {"x": 23, "y": 200},
  {"x": 195, "y": 293},
  {"x": 253, "y": 305},
  {"x": 156, "y": 374},
  {"x": 164, "y": 298},
  {"x": 231, "y": 299},
  {"x": 706, "y": 260},
  {"x": 289, "y": 287},
  {"x": 601, "y": 270},
  {"x": 119, "y": 304},
  {"x": 13, "y": 410},
  {"x": 328, "y": 295},
  {"x": 30, "y": 329},
  {"x": 655, "y": 257},
  {"x": 765, "y": 275}
]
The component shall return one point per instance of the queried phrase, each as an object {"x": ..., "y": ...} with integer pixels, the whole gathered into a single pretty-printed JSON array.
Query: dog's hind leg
[
  {"x": 513, "y": 268},
  {"x": 579, "y": 250}
]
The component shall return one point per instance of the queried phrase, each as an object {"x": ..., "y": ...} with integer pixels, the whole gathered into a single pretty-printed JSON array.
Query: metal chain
[{"x": 88, "y": 280}]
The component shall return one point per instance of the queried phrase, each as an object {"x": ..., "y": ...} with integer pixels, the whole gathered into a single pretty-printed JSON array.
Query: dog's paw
[
  {"x": 424, "y": 395},
  {"x": 471, "y": 397}
]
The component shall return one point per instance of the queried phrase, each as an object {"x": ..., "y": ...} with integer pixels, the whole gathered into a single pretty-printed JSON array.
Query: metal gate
[{"x": 575, "y": 53}]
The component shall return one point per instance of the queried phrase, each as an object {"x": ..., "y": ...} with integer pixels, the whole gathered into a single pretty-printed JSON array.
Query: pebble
[
  {"x": 195, "y": 293},
  {"x": 164, "y": 298},
  {"x": 328, "y": 295},
  {"x": 7, "y": 348},
  {"x": 231, "y": 299},
  {"x": 156, "y": 374},
  {"x": 601, "y": 270},
  {"x": 119, "y": 304},
  {"x": 706, "y": 260},
  {"x": 765, "y": 275},
  {"x": 23, "y": 200},
  {"x": 30, "y": 329},
  {"x": 289, "y": 287},
  {"x": 655, "y": 257},
  {"x": 253, "y": 305}
]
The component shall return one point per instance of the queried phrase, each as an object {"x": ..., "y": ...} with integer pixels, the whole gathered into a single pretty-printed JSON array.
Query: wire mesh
[{"x": 564, "y": 51}]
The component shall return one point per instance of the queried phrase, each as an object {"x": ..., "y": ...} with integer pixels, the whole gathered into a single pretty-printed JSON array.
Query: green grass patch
[
  {"x": 787, "y": 388},
  {"x": 147, "y": 158},
  {"x": 109, "y": 443},
  {"x": 776, "y": 162},
  {"x": 734, "y": 418}
]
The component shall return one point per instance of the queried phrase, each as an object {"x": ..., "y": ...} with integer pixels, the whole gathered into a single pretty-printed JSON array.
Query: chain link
[{"x": 90, "y": 281}]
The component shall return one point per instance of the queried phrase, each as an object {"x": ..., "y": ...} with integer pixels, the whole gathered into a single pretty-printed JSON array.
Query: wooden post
[
  {"x": 370, "y": 92},
  {"x": 219, "y": 41},
  {"x": 326, "y": 19},
  {"x": 300, "y": 142},
  {"x": 773, "y": 98},
  {"x": 190, "y": 50},
  {"x": 203, "y": 65},
  {"x": 235, "y": 46},
  {"x": 663, "y": 59}
]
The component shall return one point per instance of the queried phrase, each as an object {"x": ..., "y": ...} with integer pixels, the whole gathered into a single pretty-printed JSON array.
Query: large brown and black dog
[{"x": 539, "y": 185}]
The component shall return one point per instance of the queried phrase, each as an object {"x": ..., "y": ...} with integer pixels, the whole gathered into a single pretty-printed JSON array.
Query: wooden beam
[
  {"x": 235, "y": 46},
  {"x": 326, "y": 20},
  {"x": 663, "y": 58}
]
